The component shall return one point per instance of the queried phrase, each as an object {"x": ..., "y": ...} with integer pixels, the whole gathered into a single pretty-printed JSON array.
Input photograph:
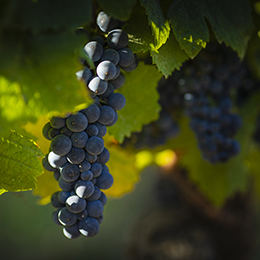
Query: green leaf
[
  {"x": 50, "y": 67},
  {"x": 169, "y": 57},
  {"x": 139, "y": 30},
  {"x": 160, "y": 27},
  {"x": 122, "y": 161},
  {"x": 118, "y": 9},
  {"x": 189, "y": 25},
  {"x": 44, "y": 66},
  {"x": 41, "y": 15},
  {"x": 231, "y": 22},
  {"x": 19, "y": 163},
  {"x": 141, "y": 101}
]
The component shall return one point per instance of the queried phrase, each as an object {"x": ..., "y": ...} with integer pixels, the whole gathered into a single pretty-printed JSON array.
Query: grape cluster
[
  {"x": 77, "y": 154},
  {"x": 208, "y": 90},
  {"x": 204, "y": 89},
  {"x": 215, "y": 77}
]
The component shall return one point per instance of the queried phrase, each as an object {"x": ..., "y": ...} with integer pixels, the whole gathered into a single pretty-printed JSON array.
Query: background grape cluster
[
  {"x": 209, "y": 90},
  {"x": 77, "y": 154}
]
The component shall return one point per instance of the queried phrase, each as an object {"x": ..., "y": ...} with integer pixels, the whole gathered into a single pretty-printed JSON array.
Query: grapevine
[{"x": 77, "y": 154}]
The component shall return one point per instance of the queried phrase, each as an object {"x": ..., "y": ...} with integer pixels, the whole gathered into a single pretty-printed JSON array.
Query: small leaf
[
  {"x": 169, "y": 57},
  {"x": 141, "y": 101},
  {"x": 118, "y": 9},
  {"x": 19, "y": 163},
  {"x": 160, "y": 27}
]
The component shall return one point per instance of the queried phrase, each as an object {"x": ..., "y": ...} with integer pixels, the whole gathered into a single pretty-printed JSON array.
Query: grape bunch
[
  {"x": 209, "y": 90},
  {"x": 203, "y": 89},
  {"x": 207, "y": 86},
  {"x": 77, "y": 154}
]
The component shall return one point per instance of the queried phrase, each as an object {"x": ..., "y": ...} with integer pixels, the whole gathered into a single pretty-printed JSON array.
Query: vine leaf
[
  {"x": 231, "y": 23},
  {"x": 139, "y": 30},
  {"x": 160, "y": 27},
  {"x": 169, "y": 57},
  {"x": 141, "y": 101},
  {"x": 20, "y": 165},
  {"x": 189, "y": 26}
]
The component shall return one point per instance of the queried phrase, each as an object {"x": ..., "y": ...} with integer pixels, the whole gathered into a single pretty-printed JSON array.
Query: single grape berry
[
  {"x": 72, "y": 232},
  {"x": 95, "y": 145},
  {"x": 76, "y": 155},
  {"x": 79, "y": 139},
  {"x": 70, "y": 172},
  {"x": 92, "y": 113},
  {"x": 75, "y": 204},
  {"x": 98, "y": 85},
  {"x": 110, "y": 55},
  {"x": 116, "y": 101},
  {"x": 61, "y": 145},
  {"x": 126, "y": 57},
  {"x": 89, "y": 227},
  {"x": 105, "y": 22},
  {"x": 106, "y": 70},
  {"x": 95, "y": 208},
  {"x": 56, "y": 161},
  {"x": 84, "y": 189},
  {"x": 105, "y": 181},
  {"x": 117, "y": 39},
  {"x": 77, "y": 122},
  {"x": 94, "y": 50},
  {"x": 57, "y": 122},
  {"x": 67, "y": 218},
  {"x": 107, "y": 115}
]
